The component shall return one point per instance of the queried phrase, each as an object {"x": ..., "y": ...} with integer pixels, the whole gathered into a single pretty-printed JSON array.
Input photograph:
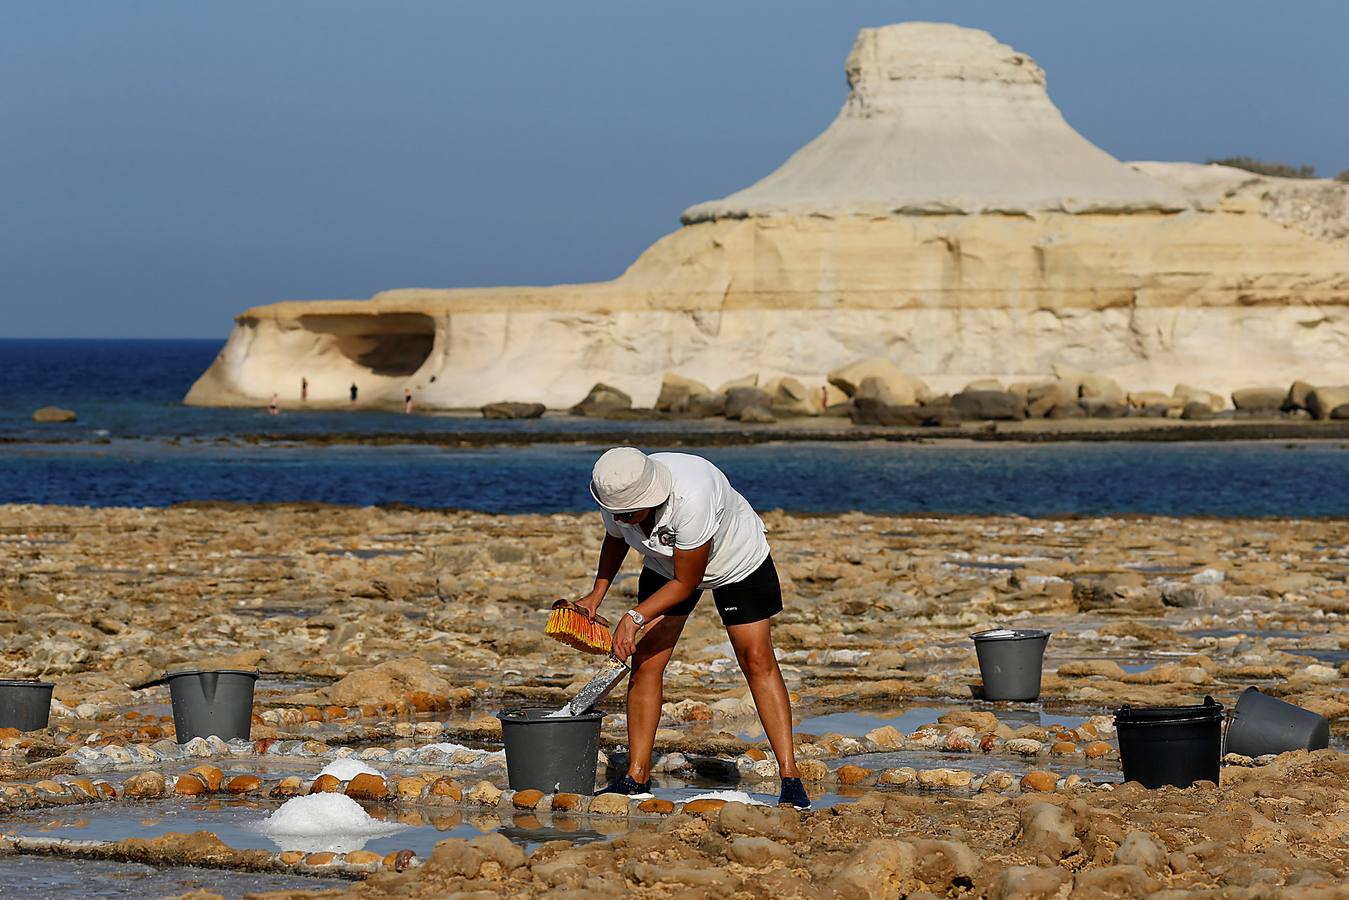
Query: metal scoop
[{"x": 605, "y": 679}]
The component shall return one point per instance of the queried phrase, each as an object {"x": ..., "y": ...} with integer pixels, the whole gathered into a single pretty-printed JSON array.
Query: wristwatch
[{"x": 637, "y": 617}]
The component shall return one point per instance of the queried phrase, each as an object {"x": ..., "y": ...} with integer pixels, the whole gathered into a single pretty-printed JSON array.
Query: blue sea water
[{"x": 136, "y": 445}]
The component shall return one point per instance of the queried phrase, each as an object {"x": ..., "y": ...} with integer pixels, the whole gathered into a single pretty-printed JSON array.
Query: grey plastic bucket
[
  {"x": 551, "y": 755},
  {"x": 217, "y": 703},
  {"x": 1010, "y": 660},
  {"x": 1261, "y": 724},
  {"x": 24, "y": 704}
]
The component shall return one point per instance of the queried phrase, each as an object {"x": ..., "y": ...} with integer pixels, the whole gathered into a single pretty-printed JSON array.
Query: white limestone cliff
[{"x": 949, "y": 219}]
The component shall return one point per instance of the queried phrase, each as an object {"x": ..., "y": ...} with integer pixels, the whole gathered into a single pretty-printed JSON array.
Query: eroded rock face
[{"x": 949, "y": 220}]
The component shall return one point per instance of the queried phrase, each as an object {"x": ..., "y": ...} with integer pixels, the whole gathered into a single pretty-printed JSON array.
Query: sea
[{"x": 135, "y": 445}]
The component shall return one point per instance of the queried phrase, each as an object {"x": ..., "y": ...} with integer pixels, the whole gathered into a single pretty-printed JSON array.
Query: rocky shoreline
[{"x": 783, "y": 431}]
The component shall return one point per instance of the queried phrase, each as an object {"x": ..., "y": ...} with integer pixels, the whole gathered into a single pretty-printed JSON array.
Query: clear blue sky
[{"x": 164, "y": 165}]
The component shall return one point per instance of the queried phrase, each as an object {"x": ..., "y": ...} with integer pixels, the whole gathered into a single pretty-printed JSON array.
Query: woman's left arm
[{"x": 689, "y": 566}]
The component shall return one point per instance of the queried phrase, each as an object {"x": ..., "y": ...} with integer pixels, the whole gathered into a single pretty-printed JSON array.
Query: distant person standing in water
[
  {"x": 304, "y": 389},
  {"x": 353, "y": 393},
  {"x": 274, "y": 406},
  {"x": 407, "y": 400}
]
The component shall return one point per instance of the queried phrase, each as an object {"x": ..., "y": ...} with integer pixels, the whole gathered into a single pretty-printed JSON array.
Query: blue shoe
[
  {"x": 628, "y": 787},
  {"x": 793, "y": 794}
]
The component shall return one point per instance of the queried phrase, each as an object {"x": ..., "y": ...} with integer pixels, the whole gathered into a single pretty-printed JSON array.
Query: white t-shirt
[{"x": 702, "y": 507}]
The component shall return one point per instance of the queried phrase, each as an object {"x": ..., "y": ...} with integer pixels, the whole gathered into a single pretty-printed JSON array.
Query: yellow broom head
[{"x": 574, "y": 627}]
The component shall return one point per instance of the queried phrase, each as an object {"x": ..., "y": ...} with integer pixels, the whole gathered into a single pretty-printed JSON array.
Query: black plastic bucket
[
  {"x": 551, "y": 755},
  {"x": 1176, "y": 745},
  {"x": 217, "y": 703},
  {"x": 1262, "y": 724},
  {"x": 1010, "y": 660},
  {"x": 24, "y": 704}
]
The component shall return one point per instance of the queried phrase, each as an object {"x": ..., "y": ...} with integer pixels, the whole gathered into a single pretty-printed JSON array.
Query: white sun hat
[{"x": 626, "y": 479}]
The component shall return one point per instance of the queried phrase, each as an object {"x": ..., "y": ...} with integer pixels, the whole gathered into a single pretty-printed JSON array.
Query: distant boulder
[
  {"x": 869, "y": 411},
  {"x": 904, "y": 389},
  {"x": 1329, "y": 402},
  {"x": 1103, "y": 408},
  {"x": 980, "y": 405},
  {"x": 742, "y": 381},
  {"x": 1151, "y": 399},
  {"x": 1188, "y": 394},
  {"x": 1298, "y": 395},
  {"x": 1262, "y": 399},
  {"x": 789, "y": 397},
  {"x": 511, "y": 410},
  {"x": 741, "y": 399},
  {"x": 1087, "y": 385},
  {"x": 676, "y": 391},
  {"x": 1069, "y": 410},
  {"x": 1197, "y": 409},
  {"x": 602, "y": 400},
  {"x": 50, "y": 414},
  {"x": 703, "y": 406},
  {"x": 1044, "y": 396}
]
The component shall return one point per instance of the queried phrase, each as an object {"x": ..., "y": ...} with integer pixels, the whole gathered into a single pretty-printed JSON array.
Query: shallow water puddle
[
  {"x": 238, "y": 823},
  {"x": 33, "y": 876},
  {"x": 856, "y": 723},
  {"x": 981, "y": 764}
]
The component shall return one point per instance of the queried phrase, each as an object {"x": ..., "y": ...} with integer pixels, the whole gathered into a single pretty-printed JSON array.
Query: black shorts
[{"x": 752, "y": 599}]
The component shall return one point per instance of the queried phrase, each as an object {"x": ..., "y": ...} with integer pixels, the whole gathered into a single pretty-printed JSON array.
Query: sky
[{"x": 166, "y": 165}]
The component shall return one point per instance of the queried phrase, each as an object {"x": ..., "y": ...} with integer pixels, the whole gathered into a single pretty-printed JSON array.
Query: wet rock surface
[{"x": 393, "y": 636}]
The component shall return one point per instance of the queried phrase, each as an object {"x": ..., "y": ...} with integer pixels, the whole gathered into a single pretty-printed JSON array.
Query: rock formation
[{"x": 948, "y": 220}]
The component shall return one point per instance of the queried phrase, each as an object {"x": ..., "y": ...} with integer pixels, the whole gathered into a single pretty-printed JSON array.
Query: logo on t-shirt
[{"x": 665, "y": 536}]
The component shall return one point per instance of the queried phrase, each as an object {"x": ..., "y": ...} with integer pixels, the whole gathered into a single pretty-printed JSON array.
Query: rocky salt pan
[{"x": 436, "y": 622}]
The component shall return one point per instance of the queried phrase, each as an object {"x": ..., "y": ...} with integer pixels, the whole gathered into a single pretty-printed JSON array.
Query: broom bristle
[{"x": 572, "y": 626}]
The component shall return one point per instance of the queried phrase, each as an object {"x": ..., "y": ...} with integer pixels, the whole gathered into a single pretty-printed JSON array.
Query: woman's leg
[
  {"x": 645, "y": 692},
  {"x": 753, "y": 643}
]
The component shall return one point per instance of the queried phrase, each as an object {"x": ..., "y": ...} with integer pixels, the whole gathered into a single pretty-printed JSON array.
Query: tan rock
[
  {"x": 243, "y": 784},
  {"x": 656, "y": 807},
  {"x": 211, "y": 776},
  {"x": 703, "y": 807},
  {"x": 190, "y": 786},
  {"x": 484, "y": 793},
  {"x": 1329, "y": 402},
  {"x": 1040, "y": 780},
  {"x": 446, "y": 788},
  {"x": 325, "y": 784},
  {"x": 851, "y": 774},
  {"x": 366, "y": 786},
  {"x": 945, "y": 778},
  {"x": 565, "y": 802},
  {"x": 526, "y": 799},
  {"x": 1096, "y": 749},
  {"x": 813, "y": 770},
  {"x": 145, "y": 785},
  {"x": 609, "y": 805}
]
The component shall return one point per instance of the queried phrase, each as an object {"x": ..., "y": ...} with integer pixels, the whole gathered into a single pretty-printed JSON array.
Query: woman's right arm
[{"x": 612, "y": 553}]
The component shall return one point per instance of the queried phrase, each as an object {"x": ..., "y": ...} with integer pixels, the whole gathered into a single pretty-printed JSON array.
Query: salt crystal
[
  {"x": 346, "y": 769},
  {"x": 729, "y": 797},
  {"x": 323, "y": 822}
]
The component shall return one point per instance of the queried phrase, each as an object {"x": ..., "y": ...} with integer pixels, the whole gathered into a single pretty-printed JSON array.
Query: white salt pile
[
  {"x": 729, "y": 797},
  {"x": 563, "y": 713},
  {"x": 446, "y": 748},
  {"x": 998, "y": 633},
  {"x": 324, "y": 822},
  {"x": 347, "y": 768}
]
